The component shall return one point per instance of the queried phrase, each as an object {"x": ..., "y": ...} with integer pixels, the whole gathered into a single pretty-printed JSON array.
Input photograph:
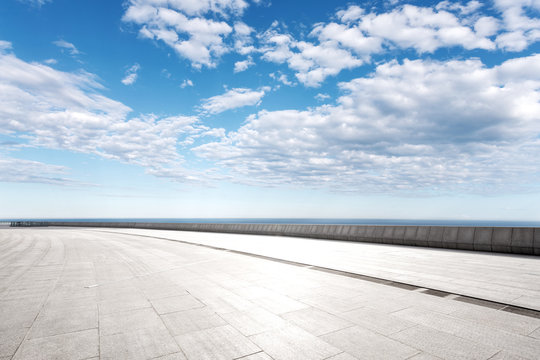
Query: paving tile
[
  {"x": 183, "y": 322},
  {"x": 443, "y": 344},
  {"x": 122, "y": 304},
  {"x": 253, "y": 320},
  {"x": 333, "y": 305},
  {"x": 55, "y": 323},
  {"x": 291, "y": 342},
  {"x": 176, "y": 303},
  {"x": 535, "y": 334},
  {"x": 10, "y": 341},
  {"x": 16, "y": 320},
  {"x": 315, "y": 321},
  {"x": 342, "y": 356},
  {"x": 503, "y": 355},
  {"x": 523, "y": 346},
  {"x": 279, "y": 304},
  {"x": 126, "y": 321},
  {"x": 377, "y": 321},
  {"x": 220, "y": 343},
  {"x": 253, "y": 292},
  {"x": 175, "y": 356},
  {"x": 163, "y": 292},
  {"x": 72, "y": 346},
  {"x": 426, "y": 356},
  {"x": 144, "y": 343},
  {"x": 228, "y": 304},
  {"x": 365, "y": 344},
  {"x": 503, "y": 320},
  {"x": 257, "y": 356},
  {"x": 62, "y": 304}
]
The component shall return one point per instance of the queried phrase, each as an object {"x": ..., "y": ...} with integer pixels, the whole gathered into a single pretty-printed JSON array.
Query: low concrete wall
[{"x": 516, "y": 240}]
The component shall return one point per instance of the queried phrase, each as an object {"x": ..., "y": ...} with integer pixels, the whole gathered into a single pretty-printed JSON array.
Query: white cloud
[
  {"x": 50, "y": 61},
  {"x": 322, "y": 97},
  {"x": 466, "y": 9},
  {"x": 186, "y": 83},
  {"x": 5, "y": 45},
  {"x": 312, "y": 63},
  {"x": 68, "y": 46},
  {"x": 421, "y": 126},
  {"x": 26, "y": 171},
  {"x": 232, "y": 99},
  {"x": 243, "y": 42},
  {"x": 282, "y": 78},
  {"x": 352, "y": 13},
  {"x": 243, "y": 65},
  {"x": 358, "y": 35},
  {"x": 422, "y": 29},
  {"x": 182, "y": 26},
  {"x": 37, "y": 3},
  {"x": 47, "y": 108},
  {"x": 131, "y": 75},
  {"x": 520, "y": 29}
]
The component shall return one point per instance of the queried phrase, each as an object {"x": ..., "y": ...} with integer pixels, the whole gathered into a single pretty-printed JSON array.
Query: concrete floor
[
  {"x": 85, "y": 294},
  {"x": 505, "y": 278}
]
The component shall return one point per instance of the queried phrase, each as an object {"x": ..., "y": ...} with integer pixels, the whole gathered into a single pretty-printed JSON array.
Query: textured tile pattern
[{"x": 87, "y": 294}]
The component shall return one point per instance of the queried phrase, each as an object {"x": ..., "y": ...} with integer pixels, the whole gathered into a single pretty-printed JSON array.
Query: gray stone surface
[
  {"x": 443, "y": 345},
  {"x": 290, "y": 343},
  {"x": 505, "y": 278},
  {"x": 76, "y": 345},
  {"x": 366, "y": 344},
  {"x": 90, "y": 294},
  {"x": 223, "y": 342}
]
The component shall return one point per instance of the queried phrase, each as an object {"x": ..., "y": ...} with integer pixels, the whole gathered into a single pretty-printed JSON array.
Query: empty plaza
[{"x": 75, "y": 293}]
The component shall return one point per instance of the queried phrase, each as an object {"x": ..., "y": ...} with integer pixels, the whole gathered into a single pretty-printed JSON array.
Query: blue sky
[{"x": 259, "y": 108}]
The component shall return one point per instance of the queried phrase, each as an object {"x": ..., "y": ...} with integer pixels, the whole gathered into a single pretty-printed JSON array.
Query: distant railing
[
  {"x": 27, "y": 223},
  {"x": 516, "y": 240}
]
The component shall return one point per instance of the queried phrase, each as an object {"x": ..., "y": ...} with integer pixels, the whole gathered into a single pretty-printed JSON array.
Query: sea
[{"x": 309, "y": 221}]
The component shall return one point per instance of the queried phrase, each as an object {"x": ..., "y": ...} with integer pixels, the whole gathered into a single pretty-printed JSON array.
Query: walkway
[{"x": 85, "y": 294}]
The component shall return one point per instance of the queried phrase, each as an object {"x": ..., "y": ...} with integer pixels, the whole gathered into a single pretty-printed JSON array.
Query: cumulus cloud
[
  {"x": 47, "y": 108},
  {"x": 313, "y": 63},
  {"x": 68, "y": 46},
  {"x": 351, "y": 41},
  {"x": 464, "y": 9},
  {"x": 131, "y": 75},
  {"x": 521, "y": 30},
  {"x": 232, "y": 99},
  {"x": 243, "y": 65},
  {"x": 322, "y": 97},
  {"x": 413, "y": 126},
  {"x": 282, "y": 78},
  {"x": 184, "y": 27},
  {"x": 186, "y": 83}
]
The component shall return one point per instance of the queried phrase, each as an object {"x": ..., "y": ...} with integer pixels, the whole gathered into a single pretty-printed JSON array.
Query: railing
[
  {"x": 515, "y": 240},
  {"x": 28, "y": 223}
]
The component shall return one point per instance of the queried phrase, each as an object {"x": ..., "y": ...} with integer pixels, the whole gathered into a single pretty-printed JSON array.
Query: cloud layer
[
  {"x": 58, "y": 110},
  {"x": 413, "y": 126},
  {"x": 232, "y": 99},
  {"x": 182, "y": 25}
]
